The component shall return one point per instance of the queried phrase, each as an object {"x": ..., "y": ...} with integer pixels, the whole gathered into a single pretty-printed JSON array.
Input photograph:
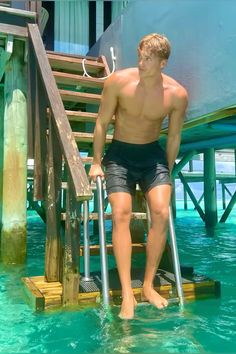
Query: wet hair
[{"x": 155, "y": 44}]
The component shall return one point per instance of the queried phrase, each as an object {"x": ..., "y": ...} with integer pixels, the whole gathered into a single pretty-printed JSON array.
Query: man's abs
[{"x": 137, "y": 130}]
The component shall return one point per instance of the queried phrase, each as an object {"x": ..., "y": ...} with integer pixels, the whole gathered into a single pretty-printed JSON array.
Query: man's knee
[
  {"x": 160, "y": 214},
  {"x": 121, "y": 215}
]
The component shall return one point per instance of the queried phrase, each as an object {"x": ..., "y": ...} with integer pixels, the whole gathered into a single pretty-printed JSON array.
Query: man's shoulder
[
  {"x": 120, "y": 76},
  {"x": 178, "y": 91}
]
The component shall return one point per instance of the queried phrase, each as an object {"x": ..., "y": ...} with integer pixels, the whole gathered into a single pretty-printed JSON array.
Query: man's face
[{"x": 149, "y": 64}]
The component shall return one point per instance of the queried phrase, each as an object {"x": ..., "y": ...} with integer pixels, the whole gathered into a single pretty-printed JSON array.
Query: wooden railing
[{"x": 56, "y": 157}]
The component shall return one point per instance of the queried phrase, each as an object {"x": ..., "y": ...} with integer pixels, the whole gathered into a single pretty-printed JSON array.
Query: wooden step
[
  {"x": 87, "y": 160},
  {"x": 95, "y": 249},
  {"x": 81, "y": 97},
  {"x": 73, "y": 64},
  {"x": 77, "y": 80},
  {"x": 78, "y": 116},
  {"x": 88, "y": 137},
  {"x": 43, "y": 295},
  {"x": 108, "y": 216}
]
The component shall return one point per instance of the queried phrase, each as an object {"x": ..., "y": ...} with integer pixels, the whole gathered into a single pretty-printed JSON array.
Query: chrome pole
[
  {"x": 102, "y": 241},
  {"x": 86, "y": 241},
  {"x": 148, "y": 216},
  {"x": 175, "y": 257}
]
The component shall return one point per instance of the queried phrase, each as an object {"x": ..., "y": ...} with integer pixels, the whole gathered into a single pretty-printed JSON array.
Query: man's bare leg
[
  {"x": 158, "y": 200},
  {"x": 121, "y": 204}
]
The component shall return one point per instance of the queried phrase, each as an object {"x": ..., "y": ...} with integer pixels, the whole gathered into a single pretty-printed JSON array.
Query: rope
[{"x": 105, "y": 77}]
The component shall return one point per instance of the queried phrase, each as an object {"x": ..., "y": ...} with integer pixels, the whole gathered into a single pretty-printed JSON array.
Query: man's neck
[{"x": 151, "y": 81}]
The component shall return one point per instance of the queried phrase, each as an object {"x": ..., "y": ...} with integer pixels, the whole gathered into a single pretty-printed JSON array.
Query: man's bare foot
[
  {"x": 127, "y": 308},
  {"x": 154, "y": 298}
]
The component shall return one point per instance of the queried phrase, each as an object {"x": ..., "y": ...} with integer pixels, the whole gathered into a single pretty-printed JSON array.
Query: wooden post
[
  {"x": 1, "y": 148},
  {"x": 210, "y": 188},
  {"x": 53, "y": 210},
  {"x": 223, "y": 195},
  {"x": 40, "y": 143},
  {"x": 71, "y": 259},
  {"x": 14, "y": 179},
  {"x": 185, "y": 199}
]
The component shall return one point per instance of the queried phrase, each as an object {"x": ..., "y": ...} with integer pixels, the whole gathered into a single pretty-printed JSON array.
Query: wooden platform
[{"x": 43, "y": 295}]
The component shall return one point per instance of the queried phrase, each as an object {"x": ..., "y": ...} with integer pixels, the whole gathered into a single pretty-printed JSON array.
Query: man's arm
[
  {"x": 176, "y": 119},
  {"x": 107, "y": 109}
]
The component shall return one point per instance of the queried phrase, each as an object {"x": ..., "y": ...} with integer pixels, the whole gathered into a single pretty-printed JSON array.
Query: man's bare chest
[{"x": 137, "y": 104}]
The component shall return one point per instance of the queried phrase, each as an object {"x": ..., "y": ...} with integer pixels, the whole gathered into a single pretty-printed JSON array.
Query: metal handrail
[
  {"x": 87, "y": 276},
  {"x": 175, "y": 257},
  {"x": 102, "y": 241}
]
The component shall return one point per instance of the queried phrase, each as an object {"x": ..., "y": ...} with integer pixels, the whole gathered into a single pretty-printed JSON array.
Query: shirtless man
[{"x": 140, "y": 98}]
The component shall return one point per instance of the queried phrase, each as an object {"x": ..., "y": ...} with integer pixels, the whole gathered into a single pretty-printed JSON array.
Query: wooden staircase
[{"x": 63, "y": 106}]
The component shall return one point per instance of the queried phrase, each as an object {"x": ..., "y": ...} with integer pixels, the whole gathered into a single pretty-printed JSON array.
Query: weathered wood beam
[
  {"x": 13, "y": 233},
  {"x": 1, "y": 148},
  {"x": 71, "y": 259},
  {"x": 31, "y": 98},
  {"x": 40, "y": 147},
  {"x": 18, "y": 12},
  {"x": 53, "y": 208},
  {"x": 17, "y": 31}
]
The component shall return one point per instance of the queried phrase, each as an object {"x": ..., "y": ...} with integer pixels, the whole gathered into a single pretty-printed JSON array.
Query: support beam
[
  {"x": 14, "y": 192},
  {"x": 229, "y": 208},
  {"x": 210, "y": 198},
  {"x": 185, "y": 159},
  {"x": 192, "y": 196},
  {"x": 219, "y": 143}
]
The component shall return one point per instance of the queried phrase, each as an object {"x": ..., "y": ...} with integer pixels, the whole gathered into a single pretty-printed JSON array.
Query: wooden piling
[
  {"x": 53, "y": 211},
  {"x": 210, "y": 198},
  {"x": 1, "y": 148},
  {"x": 14, "y": 172}
]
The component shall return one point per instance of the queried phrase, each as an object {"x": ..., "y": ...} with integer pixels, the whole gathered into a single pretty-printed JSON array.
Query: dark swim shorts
[{"x": 129, "y": 164}]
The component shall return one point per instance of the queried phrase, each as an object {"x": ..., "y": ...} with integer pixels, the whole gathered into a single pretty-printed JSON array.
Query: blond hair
[{"x": 155, "y": 44}]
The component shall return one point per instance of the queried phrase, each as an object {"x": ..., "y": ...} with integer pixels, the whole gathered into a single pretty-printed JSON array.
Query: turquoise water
[{"x": 201, "y": 326}]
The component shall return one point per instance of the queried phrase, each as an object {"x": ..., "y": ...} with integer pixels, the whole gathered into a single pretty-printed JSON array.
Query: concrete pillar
[
  {"x": 210, "y": 198},
  {"x": 14, "y": 172}
]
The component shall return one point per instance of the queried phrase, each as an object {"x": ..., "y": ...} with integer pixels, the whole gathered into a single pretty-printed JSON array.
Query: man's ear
[{"x": 163, "y": 63}]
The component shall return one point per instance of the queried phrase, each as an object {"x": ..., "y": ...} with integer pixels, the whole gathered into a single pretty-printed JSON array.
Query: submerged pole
[
  {"x": 175, "y": 257},
  {"x": 102, "y": 241},
  {"x": 210, "y": 198},
  {"x": 14, "y": 162}
]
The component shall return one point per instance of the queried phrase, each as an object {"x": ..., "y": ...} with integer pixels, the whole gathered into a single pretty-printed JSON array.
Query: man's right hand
[{"x": 96, "y": 170}]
